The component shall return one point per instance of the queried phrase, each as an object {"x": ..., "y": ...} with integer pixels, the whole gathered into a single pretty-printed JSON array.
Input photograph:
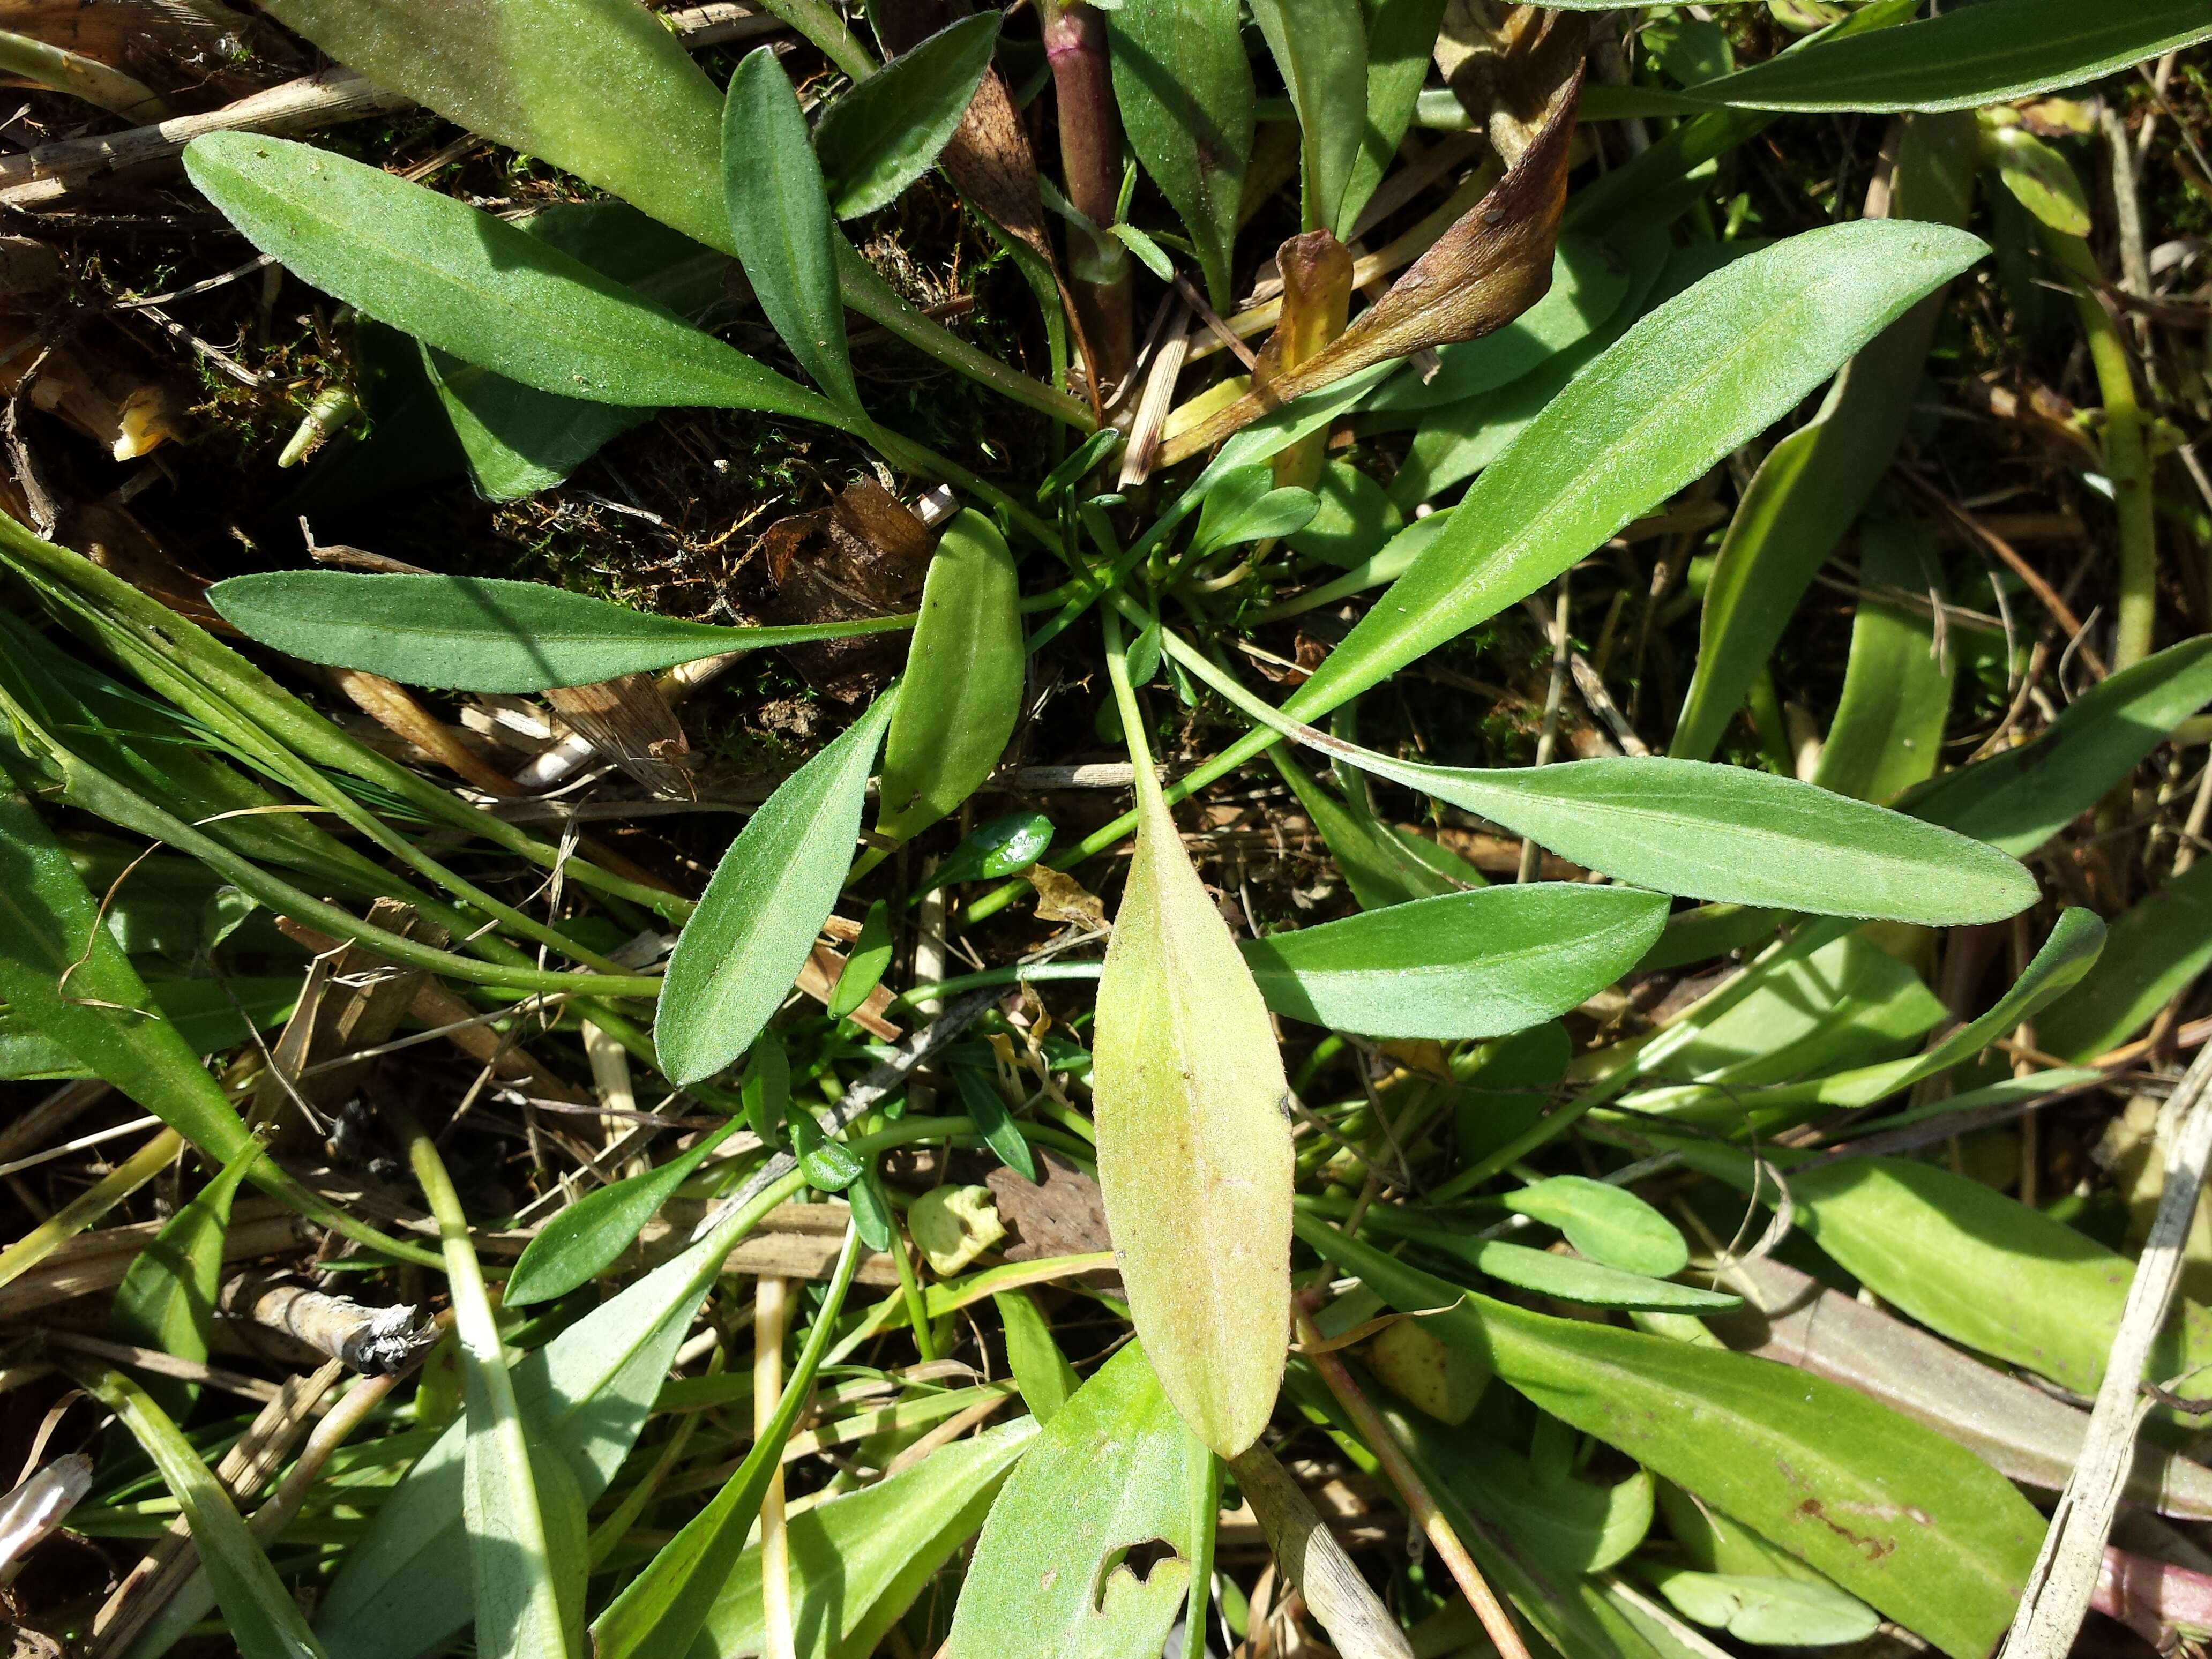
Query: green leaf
[
  {"x": 1115, "y": 1469},
  {"x": 767, "y": 1093},
  {"x": 2041, "y": 180},
  {"x": 993, "y": 1121},
  {"x": 404, "y": 1586},
  {"x": 738, "y": 957},
  {"x": 1004, "y": 847},
  {"x": 825, "y": 1163},
  {"x": 2154, "y": 950},
  {"x": 1381, "y": 868},
  {"x": 1888, "y": 730},
  {"x": 779, "y": 219},
  {"x": 1688, "y": 384},
  {"x": 1785, "y": 1613},
  {"x": 2068, "y": 955},
  {"x": 525, "y": 1529},
  {"x": 1476, "y": 964},
  {"x": 259, "y": 1615},
  {"x": 1355, "y": 518},
  {"x": 962, "y": 691},
  {"x": 1185, "y": 90},
  {"x": 517, "y": 439},
  {"x": 663, "y": 1608},
  {"x": 1150, "y": 252},
  {"x": 1040, "y": 1370},
  {"x": 1243, "y": 505},
  {"x": 481, "y": 633},
  {"x": 1321, "y": 48},
  {"x": 200, "y": 1009},
  {"x": 1720, "y": 832},
  {"x": 1572, "y": 1279},
  {"x": 865, "y": 964},
  {"x": 50, "y": 930},
  {"x": 1605, "y": 1222},
  {"x": 887, "y": 132},
  {"x": 1988, "y": 1272},
  {"x": 1898, "y": 1516},
  {"x": 1400, "y": 35},
  {"x": 2019, "y": 799},
  {"x": 1194, "y": 1154},
  {"x": 1813, "y": 484},
  {"x": 473, "y": 285},
  {"x": 1572, "y": 1527},
  {"x": 536, "y": 75},
  {"x": 582, "y": 1241},
  {"x": 166, "y": 1299},
  {"x": 1982, "y": 54},
  {"x": 858, "y": 1561}
]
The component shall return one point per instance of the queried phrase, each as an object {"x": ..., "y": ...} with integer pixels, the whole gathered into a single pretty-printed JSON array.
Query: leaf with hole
[
  {"x": 882, "y": 135},
  {"x": 739, "y": 954},
  {"x": 1045, "y": 1579}
]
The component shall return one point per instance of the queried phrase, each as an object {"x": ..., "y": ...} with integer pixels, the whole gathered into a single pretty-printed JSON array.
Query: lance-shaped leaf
[
  {"x": 1973, "y": 55},
  {"x": 1990, "y": 1273},
  {"x": 259, "y": 1615},
  {"x": 483, "y": 634},
  {"x": 1605, "y": 1222},
  {"x": 2014, "y": 1426},
  {"x": 1897, "y": 1515},
  {"x": 961, "y": 693},
  {"x": 2156, "y": 950},
  {"x": 1706, "y": 831},
  {"x": 166, "y": 1299},
  {"x": 2068, "y": 955},
  {"x": 473, "y": 285},
  {"x": 743, "y": 948},
  {"x": 1486, "y": 271},
  {"x": 1888, "y": 730},
  {"x": 1813, "y": 484},
  {"x": 1767, "y": 1611},
  {"x": 1321, "y": 47},
  {"x": 2021, "y": 799},
  {"x": 886, "y": 132},
  {"x": 581, "y": 1242},
  {"x": 858, "y": 1561},
  {"x": 1194, "y": 1156},
  {"x": 779, "y": 219},
  {"x": 1115, "y": 1468},
  {"x": 1400, "y": 35},
  {"x": 661, "y": 1611},
  {"x": 1686, "y": 385},
  {"x": 1184, "y": 87},
  {"x": 1476, "y": 964}
]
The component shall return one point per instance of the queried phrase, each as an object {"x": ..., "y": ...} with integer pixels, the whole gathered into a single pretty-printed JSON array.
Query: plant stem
[
  {"x": 1090, "y": 165},
  {"x": 820, "y": 23},
  {"x": 1420, "y": 1502},
  {"x": 769, "y": 1297},
  {"x": 2127, "y": 456}
]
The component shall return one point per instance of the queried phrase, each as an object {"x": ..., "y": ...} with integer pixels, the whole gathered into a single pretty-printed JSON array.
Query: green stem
[
  {"x": 2127, "y": 455},
  {"x": 821, "y": 24}
]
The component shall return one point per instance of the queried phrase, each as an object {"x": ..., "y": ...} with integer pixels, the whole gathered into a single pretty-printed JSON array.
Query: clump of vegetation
[{"x": 1622, "y": 1088}]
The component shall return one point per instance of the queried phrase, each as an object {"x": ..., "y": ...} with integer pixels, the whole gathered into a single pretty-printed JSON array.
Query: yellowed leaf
[{"x": 1194, "y": 1156}]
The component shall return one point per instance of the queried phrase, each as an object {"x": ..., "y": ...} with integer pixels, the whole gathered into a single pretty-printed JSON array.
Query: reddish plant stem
[
  {"x": 2156, "y": 1601},
  {"x": 1090, "y": 162},
  {"x": 1420, "y": 1504}
]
